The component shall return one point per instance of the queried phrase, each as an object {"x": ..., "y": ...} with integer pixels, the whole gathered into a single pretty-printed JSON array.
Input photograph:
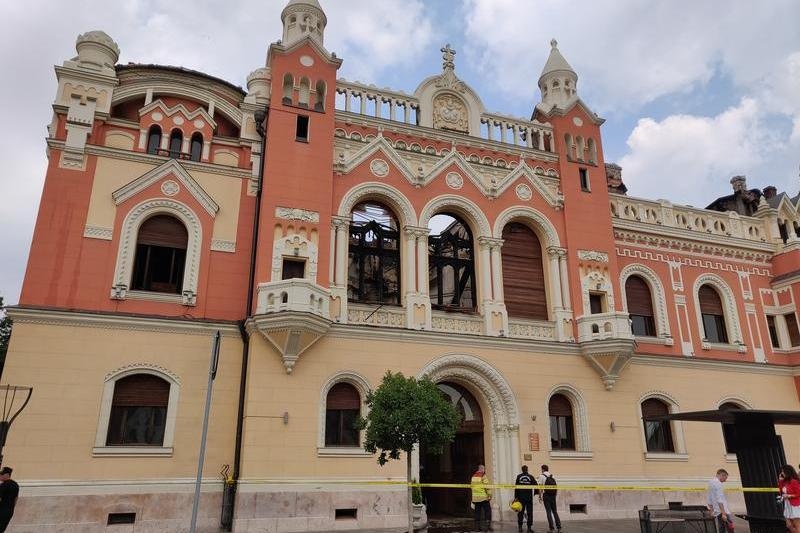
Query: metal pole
[{"x": 212, "y": 373}]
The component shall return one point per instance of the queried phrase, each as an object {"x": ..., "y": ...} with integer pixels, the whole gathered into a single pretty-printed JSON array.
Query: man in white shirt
[{"x": 717, "y": 501}]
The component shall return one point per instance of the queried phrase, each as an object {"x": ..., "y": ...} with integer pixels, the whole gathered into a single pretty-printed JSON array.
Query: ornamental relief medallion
[
  {"x": 170, "y": 188},
  {"x": 379, "y": 168},
  {"x": 454, "y": 180},
  {"x": 450, "y": 113},
  {"x": 524, "y": 192}
]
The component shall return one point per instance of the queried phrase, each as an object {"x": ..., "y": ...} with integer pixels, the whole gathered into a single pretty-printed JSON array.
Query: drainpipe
[{"x": 237, "y": 458}]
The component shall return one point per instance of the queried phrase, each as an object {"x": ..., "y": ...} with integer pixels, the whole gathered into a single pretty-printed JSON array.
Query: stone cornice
[
  {"x": 117, "y": 321},
  {"x": 747, "y": 367},
  {"x": 667, "y": 245},
  {"x": 692, "y": 236}
]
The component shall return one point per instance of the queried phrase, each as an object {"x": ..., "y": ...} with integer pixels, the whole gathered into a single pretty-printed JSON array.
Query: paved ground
[{"x": 582, "y": 526}]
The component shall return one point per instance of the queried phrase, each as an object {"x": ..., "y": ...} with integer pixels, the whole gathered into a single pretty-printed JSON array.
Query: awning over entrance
[{"x": 780, "y": 418}]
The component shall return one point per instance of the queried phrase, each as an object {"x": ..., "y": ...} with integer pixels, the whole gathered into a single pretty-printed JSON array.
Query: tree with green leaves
[
  {"x": 404, "y": 412},
  {"x": 5, "y": 335}
]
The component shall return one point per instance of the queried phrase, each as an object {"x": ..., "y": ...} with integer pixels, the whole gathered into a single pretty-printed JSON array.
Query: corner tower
[
  {"x": 558, "y": 82},
  {"x": 301, "y": 19}
]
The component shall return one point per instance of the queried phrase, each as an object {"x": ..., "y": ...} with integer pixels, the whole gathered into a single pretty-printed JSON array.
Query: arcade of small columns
[{"x": 414, "y": 268}]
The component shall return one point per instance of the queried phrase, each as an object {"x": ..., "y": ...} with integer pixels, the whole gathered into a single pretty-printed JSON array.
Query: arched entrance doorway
[{"x": 458, "y": 461}]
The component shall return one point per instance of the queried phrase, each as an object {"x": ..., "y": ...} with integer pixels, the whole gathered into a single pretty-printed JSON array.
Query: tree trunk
[{"x": 410, "y": 499}]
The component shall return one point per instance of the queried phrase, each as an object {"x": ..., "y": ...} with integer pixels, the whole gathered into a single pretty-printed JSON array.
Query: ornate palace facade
[{"x": 333, "y": 231}]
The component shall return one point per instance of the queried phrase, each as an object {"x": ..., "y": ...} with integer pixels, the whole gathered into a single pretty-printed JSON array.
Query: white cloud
[{"x": 686, "y": 158}]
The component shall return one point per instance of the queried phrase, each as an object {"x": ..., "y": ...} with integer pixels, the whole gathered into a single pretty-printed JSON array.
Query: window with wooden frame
[
  {"x": 713, "y": 315},
  {"x": 524, "y": 281},
  {"x": 640, "y": 307},
  {"x": 138, "y": 411},
  {"x": 154, "y": 140},
  {"x": 596, "y": 303},
  {"x": 657, "y": 434},
  {"x": 728, "y": 431},
  {"x": 342, "y": 409},
  {"x": 791, "y": 328},
  {"x": 293, "y": 269},
  {"x": 160, "y": 255},
  {"x": 562, "y": 425},
  {"x": 175, "y": 143},
  {"x": 374, "y": 255},
  {"x": 451, "y": 264},
  {"x": 196, "y": 147}
]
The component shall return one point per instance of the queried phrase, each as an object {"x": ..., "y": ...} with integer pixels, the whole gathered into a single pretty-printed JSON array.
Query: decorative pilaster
[
  {"x": 418, "y": 302},
  {"x": 495, "y": 316},
  {"x": 341, "y": 226},
  {"x": 559, "y": 288}
]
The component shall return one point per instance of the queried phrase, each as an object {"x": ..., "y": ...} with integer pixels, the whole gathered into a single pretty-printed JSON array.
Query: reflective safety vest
[{"x": 479, "y": 492}]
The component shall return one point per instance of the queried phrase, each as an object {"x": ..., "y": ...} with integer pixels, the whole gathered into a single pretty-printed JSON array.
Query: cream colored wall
[
  {"x": 275, "y": 450},
  {"x": 54, "y": 436},
  {"x": 111, "y": 174}
]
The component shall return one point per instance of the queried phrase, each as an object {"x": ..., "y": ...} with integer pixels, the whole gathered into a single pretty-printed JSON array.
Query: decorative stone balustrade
[
  {"x": 519, "y": 132},
  {"x": 373, "y": 315},
  {"x": 704, "y": 221},
  {"x": 357, "y": 96},
  {"x": 456, "y": 323},
  {"x": 298, "y": 295},
  {"x": 603, "y": 326},
  {"x": 532, "y": 330}
]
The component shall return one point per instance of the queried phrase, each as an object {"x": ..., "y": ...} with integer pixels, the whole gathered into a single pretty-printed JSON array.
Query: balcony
[{"x": 606, "y": 343}]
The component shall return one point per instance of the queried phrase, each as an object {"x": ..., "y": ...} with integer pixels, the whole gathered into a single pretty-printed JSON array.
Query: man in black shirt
[
  {"x": 9, "y": 491},
  {"x": 525, "y": 497}
]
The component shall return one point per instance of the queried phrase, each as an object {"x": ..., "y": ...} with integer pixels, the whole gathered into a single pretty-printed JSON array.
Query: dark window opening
[
  {"x": 293, "y": 269},
  {"x": 196, "y": 151},
  {"x": 596, "y": 303},
  {"x": 346, "y": 514},
  {"x": 713, "y": 315},
  {"x": 773, "y": 332},
  {"x": 584, "y": 175},
  {"x": 451, "y": 266},
  {"x": 138, "y": 411},
  {"x": 562, "y": 428},
  {"x": 154, "y": 140},
  {"x": 301, "y": 130},
  {"x": 578, "y": 508},
  {"x": 784, "y": 233},
  {"x": 160, "y": 255},
  {"x": 657, "y": 434},
  {"x": 373, "y": 274},
  {"x": 175, "y": 144},
  {"x": 728, "y": 430},
  {"x": 640, "y": 307},
  {"x": 121, "y": 518},
  {"x": 791, "y": 328},
  {"x": 342, "y": 408}
]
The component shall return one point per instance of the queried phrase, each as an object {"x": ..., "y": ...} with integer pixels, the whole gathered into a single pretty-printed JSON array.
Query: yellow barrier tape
[{"x": 565, "y": 487}]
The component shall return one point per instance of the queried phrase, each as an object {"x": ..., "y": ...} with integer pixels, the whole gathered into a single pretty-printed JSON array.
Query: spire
[
  {"x": 558, "y": 81},
  {"x": 301, "y": 19}
]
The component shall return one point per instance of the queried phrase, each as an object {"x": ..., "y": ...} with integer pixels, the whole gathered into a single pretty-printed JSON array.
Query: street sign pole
[{"x": 212, "y": 373}]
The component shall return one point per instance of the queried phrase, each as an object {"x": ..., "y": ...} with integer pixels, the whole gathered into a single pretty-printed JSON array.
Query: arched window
[
  {"x": 592, "y": 151},
  {"x": 713, "y": 315},
  {"x": 319, "y": 105},
  {"x": 640, "y": 307},
  {"x": 728, "y": 430},
  {"x": 580, "y": 148},
  {"x": 138, "y": 411},
  {"x": 196, "y": 151},
  {"x": 288, "y": 88},
  {"x": 374, "y": 255},
  {"x": 568, "y": 145},
  {"x": 451, "y": 266},
  {"x": 175, "y": 143},
  {"x": 154, "y": 140},
  {"x": 562, "y": 425},
  {"x": 305, "y": 92},
  {"x": 657, "y": 434},
  {"x": 523, "y": 273},
  {"x": 160, "y": 255},
  {"x": 342, "y": 409}
]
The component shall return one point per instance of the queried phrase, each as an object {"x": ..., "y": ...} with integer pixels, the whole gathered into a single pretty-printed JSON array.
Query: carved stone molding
[
  {"x": 593, "y": 255},
  {"x": 97, "y": 232},
  {"x": 151, "y": 367},
  {"x": 540, "y": 223},
  {"x": 523, "y": 192},
  {"x": 454, "y": 180},
  {"x": 450, "y": 113},
  {"x": 657, "y": 291},
  {"x": 380, "y": 191},
  {"x": 728, "y": 302},
  {"x": 295, "y": 213},
  {"x": 379, "y": 168},
  {"x": 468, "y": 208}
]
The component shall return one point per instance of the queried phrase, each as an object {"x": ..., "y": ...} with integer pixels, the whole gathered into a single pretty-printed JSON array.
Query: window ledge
[
  {"x": 655, "y": 456},
  {"x": 132, "y": 451},
  {"x": 332, "y": 451},
  {"x": 785, "y": 350},
  {"x": 571, "y": 455},
  {"x": 731, "y": 458},
  {"x": 725, "y": 347},
  {"x": 155, "y": 297},
  {"x": 665, "y": 341}
]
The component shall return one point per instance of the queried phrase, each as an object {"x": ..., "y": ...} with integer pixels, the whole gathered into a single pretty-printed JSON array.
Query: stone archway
[{"x": 485, "y": 382}]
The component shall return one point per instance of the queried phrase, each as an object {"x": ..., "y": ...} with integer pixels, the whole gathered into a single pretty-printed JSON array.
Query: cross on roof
[{"x": 448, "y": 55}]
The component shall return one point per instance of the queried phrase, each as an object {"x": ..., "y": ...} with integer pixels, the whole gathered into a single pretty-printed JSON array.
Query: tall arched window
[
  {"x": 196, "y": 150},
  {"x": 592, "y": 151},
  {"x": 562, "y": 425},
  {"x": 640, "y": 307},
  {"x": 138, "y": 411},
  {"x": 288, "y": 88},
  {"x": 728, "y": 431},
  {"x": 305, "y": 92},
  {"x": 319, "y": 105},
  {"x": 160, "y": 255},
  {"x": 374, "y": 255},
  {"x": 342, "y": 409},
  {"x": 451, "y": 265},
  {"x": 713, "y": 315},
  {"x": 524, "y": 290},
  {"x": 154, "y": 140},
  {"x": 657, "y": 434},
  {"x": 175, "y": 143}
]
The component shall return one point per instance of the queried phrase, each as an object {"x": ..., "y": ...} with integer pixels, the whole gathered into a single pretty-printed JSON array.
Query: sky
[{"x": 693, "y": 93}]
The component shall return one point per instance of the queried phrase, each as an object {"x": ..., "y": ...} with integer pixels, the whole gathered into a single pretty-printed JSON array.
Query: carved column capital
[
  {"x": 490, "y": 242},
  {"x": 339, "y": 222}
]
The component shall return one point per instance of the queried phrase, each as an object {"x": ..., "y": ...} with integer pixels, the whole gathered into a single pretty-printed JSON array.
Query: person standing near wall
[
  {"x": 525, "y": 497},
  {"x": 789, "y": 488},
  {"x": 717, "y": 501},
  {"x": 548, "y": 498},
  {"x": 9, "y": 492},
  {"x": 481, "y": 498}
]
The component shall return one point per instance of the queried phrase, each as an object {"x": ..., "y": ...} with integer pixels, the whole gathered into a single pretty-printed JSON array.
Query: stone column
[
  {"x": 422, "y": 260},
  {"x": 555, "y": 279},
  {"x": 486, "y": 273},
  {"x": 342, "y": 224},
  {"x": 332, "y": 256},
  {"x": 418, "y": 304},
  {"x": 497, "y": 270},
  {"x": 410, "y": 279},
  {"x": 562, "y": 263}
]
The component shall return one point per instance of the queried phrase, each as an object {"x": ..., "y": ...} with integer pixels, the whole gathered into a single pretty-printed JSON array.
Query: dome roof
[{"x": 556, "y": 62}]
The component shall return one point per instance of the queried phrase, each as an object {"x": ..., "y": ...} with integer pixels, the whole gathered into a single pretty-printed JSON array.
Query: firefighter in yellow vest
[{"x": 481, "y": 498}]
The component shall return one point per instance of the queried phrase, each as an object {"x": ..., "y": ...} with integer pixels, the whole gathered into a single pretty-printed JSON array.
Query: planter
[{"x": 420, "y": 516}]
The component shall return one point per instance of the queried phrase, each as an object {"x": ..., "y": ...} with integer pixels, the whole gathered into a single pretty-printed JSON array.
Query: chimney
[
  {"x": 770, "y": 192},
  {"x": 739, "y": 184}
]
